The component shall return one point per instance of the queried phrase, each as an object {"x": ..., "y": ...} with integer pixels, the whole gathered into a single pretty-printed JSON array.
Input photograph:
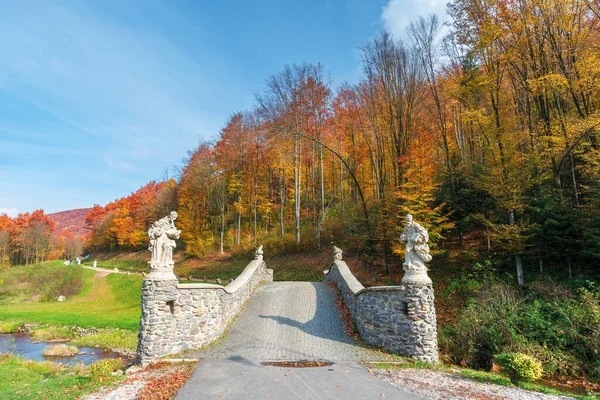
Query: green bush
[
  {"x": 557, "y": 324},
  {"x": 103, "y": 369},
  {"x": 519, "y": 366}
]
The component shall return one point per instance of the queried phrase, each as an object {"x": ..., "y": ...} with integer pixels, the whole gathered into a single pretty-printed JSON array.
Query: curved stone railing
[
  {"x": 177, "y": 317},
  {"x": 399, "y": 319}
]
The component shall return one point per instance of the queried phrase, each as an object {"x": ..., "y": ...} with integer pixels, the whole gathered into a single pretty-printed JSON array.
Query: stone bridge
[{"x": 286, "y": 321}]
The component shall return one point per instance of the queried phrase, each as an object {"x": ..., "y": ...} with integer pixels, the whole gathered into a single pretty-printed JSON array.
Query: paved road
[{"x": 287, "y": 321}]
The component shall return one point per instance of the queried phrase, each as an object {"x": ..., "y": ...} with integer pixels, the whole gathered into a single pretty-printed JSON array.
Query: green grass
[
  {"x": 111, "y": 301},
  {"x": 45, "y": 281},
  {"x": 50, "y": 333},
  {"x": 109, "y": 339},
  {"x": 10, "y": 326},
  {"x": 20, "y": 379}
]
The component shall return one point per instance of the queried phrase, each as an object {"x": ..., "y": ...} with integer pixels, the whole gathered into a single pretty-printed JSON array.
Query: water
[{"x": 20, "y": 344}]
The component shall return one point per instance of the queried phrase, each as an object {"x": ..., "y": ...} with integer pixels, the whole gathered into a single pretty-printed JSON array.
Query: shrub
[
  {"x": 520, "y": 366},
  {"x": 102, "y": 369},
  {"x": 551, "y": 322},
  {"x": 60, "y": 350}
]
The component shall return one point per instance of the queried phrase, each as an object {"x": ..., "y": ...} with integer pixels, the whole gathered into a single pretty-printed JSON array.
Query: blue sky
[{"x": 98, "y": 98}]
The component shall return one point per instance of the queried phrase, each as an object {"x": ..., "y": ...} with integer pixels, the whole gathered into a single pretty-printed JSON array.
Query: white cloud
[
  {"x": 118, "y": 164},
  {"x": 397, "y": 14},
  {"x": 11, "y": 212}
]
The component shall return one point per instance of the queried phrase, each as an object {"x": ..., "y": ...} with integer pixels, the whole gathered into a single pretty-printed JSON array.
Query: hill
[{"x": 72, "y": 221}]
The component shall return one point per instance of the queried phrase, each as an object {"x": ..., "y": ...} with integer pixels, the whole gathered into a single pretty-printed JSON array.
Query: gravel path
[
  {"x": 128, "y": 391},
  {"x": 437, "y": 385}
]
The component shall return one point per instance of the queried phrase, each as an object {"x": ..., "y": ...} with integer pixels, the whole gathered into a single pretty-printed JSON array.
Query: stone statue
[
  {"x": 337, "y": 254},
  {"x": 258, "y": 254},
  {"x": 416, "y": 253},
  {"x": 162, "y": 235}
]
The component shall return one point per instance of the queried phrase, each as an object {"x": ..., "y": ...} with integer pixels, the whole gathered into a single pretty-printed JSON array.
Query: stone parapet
[
  {"x": 177, "y": 317},
  {"x": 399, "y": 319}
]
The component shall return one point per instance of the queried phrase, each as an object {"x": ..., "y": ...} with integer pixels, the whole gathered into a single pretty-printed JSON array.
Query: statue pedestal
[
  {"x": 161, "y": 273},
  {"x": 416, "y": 276}
]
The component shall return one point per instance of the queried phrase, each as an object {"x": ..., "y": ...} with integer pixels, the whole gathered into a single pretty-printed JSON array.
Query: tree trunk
[
  {"x": 520, "y": 277},
  {"x": 518, "y": 262},
  {"x": 322, "y": 185},
  {"x": 297, "y": 182},
  {"x": 222, "y": 221},
  {"x": 281, "y": 202}
]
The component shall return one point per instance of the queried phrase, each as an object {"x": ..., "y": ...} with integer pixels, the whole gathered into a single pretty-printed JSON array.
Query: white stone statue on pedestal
[
  {"x": 162, "y": 235},
  {"x": 416, "y": 253},
  {"x": 258, "y": 254},
  {"x": 337, "y": 254}
]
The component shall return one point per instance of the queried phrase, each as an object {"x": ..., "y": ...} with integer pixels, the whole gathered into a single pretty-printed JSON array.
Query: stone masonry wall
[
  {"x": 176, "y": 317},
  {"x": 399, "y": 319}
]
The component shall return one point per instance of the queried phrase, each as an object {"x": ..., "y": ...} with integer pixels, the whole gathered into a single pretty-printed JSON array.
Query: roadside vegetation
[{"x": 495, "y": 378}]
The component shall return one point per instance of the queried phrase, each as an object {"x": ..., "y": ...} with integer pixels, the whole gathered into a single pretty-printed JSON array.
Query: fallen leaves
[
  {"x": 345, "y": 313},
  {"x": 166, "y": 386}
]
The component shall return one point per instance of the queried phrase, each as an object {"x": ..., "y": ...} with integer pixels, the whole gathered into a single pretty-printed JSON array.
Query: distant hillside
[{"x": 71, "y": 221}]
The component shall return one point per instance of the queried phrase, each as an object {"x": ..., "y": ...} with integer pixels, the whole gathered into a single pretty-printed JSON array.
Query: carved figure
[
  {"x": 162, "y": 235},
  {"x": 416, "y": 253},
  {"x": 258, "y": 254},
  {"x": 337, "y": 254}
]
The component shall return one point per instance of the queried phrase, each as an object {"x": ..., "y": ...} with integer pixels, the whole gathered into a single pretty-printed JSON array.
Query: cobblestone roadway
[{"x": 290, "y": 321}]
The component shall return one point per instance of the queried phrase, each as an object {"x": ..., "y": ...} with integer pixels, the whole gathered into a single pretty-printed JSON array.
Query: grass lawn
[
  {"x": 111, "y": 301},
  {"x": 21, "y": 379}
]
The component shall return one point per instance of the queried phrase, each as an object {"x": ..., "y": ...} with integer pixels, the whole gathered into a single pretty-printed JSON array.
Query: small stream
[{"x": 20, "y": 344}]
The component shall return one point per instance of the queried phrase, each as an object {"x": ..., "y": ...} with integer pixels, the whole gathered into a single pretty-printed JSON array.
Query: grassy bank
[
  {"x": 41, "y": 282},
  {"x": 23, "y": 379},
  {"x": 111, "y": 301}
]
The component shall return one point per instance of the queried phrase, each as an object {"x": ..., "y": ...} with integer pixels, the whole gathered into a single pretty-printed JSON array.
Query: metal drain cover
[{"x": 297, "y": 364}]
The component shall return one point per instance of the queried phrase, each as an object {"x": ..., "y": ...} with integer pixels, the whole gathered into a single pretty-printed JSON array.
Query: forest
[{"x": 486, "y": 130}]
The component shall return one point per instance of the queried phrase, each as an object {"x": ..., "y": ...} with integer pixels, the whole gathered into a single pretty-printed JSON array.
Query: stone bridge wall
[
  {"x": 399, "y": 319},
  {"x": 176, "y": 317}
]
